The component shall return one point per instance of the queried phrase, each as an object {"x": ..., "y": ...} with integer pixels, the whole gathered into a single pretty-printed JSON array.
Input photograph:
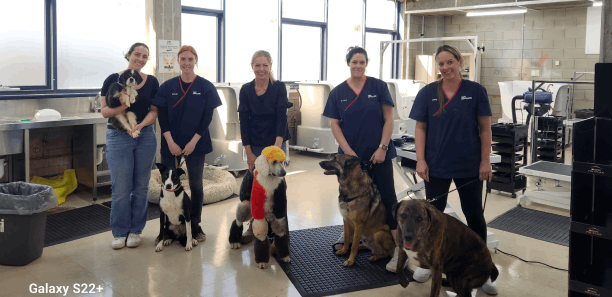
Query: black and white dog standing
[
  {"x": 123, "y": 91},
  {"x": 175, "y": 215}
]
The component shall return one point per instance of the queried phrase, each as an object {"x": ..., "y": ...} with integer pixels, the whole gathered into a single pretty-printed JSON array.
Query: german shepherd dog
[
  {"x": 362, "y": 209},
  {"x": 444, "y": 245}
]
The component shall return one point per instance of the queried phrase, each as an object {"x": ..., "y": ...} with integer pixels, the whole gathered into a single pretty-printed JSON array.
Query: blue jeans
[
  {"x": 130, "y": 162},
  {"x": 195, "y": 171}
]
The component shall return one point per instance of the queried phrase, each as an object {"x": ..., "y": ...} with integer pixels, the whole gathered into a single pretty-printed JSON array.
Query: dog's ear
[
  {"x": 161, "y": 167},
  {"x": 432, "y": 213},
  {"x": 394, "y": 209},
  {"x": 137, "y": 77},
  {"x": 351, "y": 163},
  {"x": 180, "y": 171}
]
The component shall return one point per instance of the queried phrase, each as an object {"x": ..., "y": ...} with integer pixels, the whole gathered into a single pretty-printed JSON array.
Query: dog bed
[{"x": 218, "y": 185}]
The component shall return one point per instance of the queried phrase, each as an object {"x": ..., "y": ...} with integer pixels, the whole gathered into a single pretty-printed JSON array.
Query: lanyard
[
  {"x": 364, "y": 83},
  {"x": 449, "y": 100},
  {"x": 184, "y": 92}
]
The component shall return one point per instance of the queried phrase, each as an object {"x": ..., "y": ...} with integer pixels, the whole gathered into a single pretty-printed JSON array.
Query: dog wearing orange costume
[{"x": 266, "y": 204}]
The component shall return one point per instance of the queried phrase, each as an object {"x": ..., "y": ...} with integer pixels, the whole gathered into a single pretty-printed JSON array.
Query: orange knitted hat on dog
[{"x": 273, "y": 153}]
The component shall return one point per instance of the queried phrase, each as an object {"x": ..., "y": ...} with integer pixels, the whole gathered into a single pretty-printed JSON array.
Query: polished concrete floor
[{"x": 213, "y": 269}]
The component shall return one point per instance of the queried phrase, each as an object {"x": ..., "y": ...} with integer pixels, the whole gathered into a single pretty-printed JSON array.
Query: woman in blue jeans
[
  {"x": 186, "y": 104},
  {"x": 130, "y": 160}
]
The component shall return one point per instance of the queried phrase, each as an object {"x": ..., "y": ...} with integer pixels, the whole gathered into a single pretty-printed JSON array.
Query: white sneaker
[
  {"x": 133, "y": 240},
  {"x": 118, "y": 243},
  {"x": 421, "y": 275},
  {"x": 490, "y": 287}
]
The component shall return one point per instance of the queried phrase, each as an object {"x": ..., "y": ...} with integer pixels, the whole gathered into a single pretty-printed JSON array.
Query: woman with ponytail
[{"x": 453, "y": 143}]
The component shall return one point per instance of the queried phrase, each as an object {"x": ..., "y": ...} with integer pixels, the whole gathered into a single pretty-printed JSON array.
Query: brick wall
[{"x": 549, "y": 36}]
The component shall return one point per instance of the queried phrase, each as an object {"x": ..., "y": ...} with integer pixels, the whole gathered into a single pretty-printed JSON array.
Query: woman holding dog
[
  {"x": 186, "y": 104},
  {"x": 130, "y": 159},
  {"x": 453, "y": 143},
  {"x": 361, "y": 114}
]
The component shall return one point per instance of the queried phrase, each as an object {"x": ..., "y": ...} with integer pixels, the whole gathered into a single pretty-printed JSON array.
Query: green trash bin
[{"x": 23, "y": 217}]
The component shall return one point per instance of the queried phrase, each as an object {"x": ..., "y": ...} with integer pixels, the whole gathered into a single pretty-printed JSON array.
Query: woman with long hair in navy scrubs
[
  {"x": 361, "y": 114},
  {"x": 263, "y": 116},
  {"x": 186, "y": 104},
  {"x": 130, "y": 159},
  {"x": 453, "y": 143}
]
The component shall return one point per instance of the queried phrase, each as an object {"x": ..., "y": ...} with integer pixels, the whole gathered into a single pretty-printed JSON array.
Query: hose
[{"x": 514, "y": 108}]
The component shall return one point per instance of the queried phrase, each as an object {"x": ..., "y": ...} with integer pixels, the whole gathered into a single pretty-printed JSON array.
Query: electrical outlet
[
  {"x": 557, "y": 63},
  {"x": 535, "y": 72}
]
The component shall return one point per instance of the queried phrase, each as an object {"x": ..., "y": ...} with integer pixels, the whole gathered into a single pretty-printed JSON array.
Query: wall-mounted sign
[{"x": 168, "y": 50}]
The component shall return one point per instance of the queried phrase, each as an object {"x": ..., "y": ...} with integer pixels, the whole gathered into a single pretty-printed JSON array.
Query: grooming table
[
  {"x": 550, "y": 171},
  {"x": 418, "y": 189}
]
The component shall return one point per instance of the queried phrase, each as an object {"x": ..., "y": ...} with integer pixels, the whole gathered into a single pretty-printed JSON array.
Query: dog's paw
[
  {"x": 341, "y": 252},
  {"x": 262, "y": 265},
  {"x": 286, "y": 259},
  {"x": 235, "y": 245},
  {"x": 363, "y": 247},
  {"x": 189, "y": 246},
  {"x": 159, "y": 247},
  {"x": 194, "y": 242},
  {"x": 375, "y": 258},
  {"x": 135, "y": 134},
  {"x": 167, "y": 242},
  {"x": 348, "y": 263}
]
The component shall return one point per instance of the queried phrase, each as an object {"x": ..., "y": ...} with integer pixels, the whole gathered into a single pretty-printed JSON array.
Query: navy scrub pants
[{"x": 470, "y": 196}]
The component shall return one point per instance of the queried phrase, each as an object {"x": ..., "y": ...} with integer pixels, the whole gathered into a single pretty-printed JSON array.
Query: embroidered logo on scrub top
[
  {"x": 174, "y": 94},
  {"x": 344, "y": 100},
  {"x": 434, "y": 99},
  {"x": 371, "y": 96},
  {"x": 465, "y": 98},
  {"x": 196, "y": 93}
]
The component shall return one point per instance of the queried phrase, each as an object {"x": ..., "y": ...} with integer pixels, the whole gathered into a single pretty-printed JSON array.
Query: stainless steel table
[{"x": 552, "y": 171}]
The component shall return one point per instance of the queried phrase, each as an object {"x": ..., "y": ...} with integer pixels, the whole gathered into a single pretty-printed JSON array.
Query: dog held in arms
[
  {"x": 444, "y": 245},
  {"x": 361, "y": 208},
  {"x": 266, "y": 203},
  {"x": 122, "y": 91},
  {"x": 175, "y": 212}
]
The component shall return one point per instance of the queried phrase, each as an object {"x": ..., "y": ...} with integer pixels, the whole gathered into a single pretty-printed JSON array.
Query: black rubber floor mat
[
  {"x": 152, "y": 213},
  {"x": 535, "y": 224},
  {"x": 76, "y": 223},
  {"x": 315, "y": 270}
]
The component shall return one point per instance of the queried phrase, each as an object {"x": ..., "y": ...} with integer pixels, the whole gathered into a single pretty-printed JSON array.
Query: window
[
  {"x": 209, "y": 4},
  {"x": 345, "y": 30},
  {"x": 251, "y": 26},
  {"x": 382, "y": 19},
  {"x": 203, "y": 29},
  {"x": 304, "y": 41},
  {"x": 89, "y": 47},
  {"x": 22, "y": 50}
]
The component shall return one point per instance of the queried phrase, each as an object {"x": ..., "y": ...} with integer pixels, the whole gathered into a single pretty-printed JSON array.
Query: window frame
[
  {"x": 220, "y": 15},
  {"x": 313, "y": 24},
  {"x": 395, "y": 35}
]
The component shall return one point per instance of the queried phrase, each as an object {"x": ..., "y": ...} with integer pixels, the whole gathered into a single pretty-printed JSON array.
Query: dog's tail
[{"x": 494, "y": 273}]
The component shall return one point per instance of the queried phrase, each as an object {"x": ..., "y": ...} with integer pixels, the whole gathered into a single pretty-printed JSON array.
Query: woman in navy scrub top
[
  {"x": 361, "y": 114},
  {"x": 186, "y": 104},
  {"x": 453, "y": 143},
  {"x": 130, "y": 159},
  {"x": 262, "y": 110}
]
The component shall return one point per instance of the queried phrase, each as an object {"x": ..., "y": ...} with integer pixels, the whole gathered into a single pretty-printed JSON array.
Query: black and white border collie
[
  {"x": 175, "y": 212},
  {"x": 123, "y": 91}
]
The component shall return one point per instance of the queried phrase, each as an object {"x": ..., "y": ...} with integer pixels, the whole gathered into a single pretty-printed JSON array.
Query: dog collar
[{"x": 171, "y": 190}]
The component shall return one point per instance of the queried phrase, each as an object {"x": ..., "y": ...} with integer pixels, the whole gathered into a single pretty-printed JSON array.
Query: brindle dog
[
  {"x": 362, "y": 209},
  {"x": 444, "y": 245}
]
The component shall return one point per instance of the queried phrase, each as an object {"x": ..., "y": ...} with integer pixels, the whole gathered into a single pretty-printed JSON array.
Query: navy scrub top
[
  {"x": 453, "y": 147},
  {"x": 145, "y": 95},
  {"x": 185, "y": 119},
  {"x": 361, "y": 117},
  {"x": 263, "y": 118}
]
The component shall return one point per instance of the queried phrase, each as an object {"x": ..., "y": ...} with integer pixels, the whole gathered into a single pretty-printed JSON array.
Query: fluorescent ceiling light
[
  {"x": 497, "y": 12},
  {"x": 595, "y": 4}
]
